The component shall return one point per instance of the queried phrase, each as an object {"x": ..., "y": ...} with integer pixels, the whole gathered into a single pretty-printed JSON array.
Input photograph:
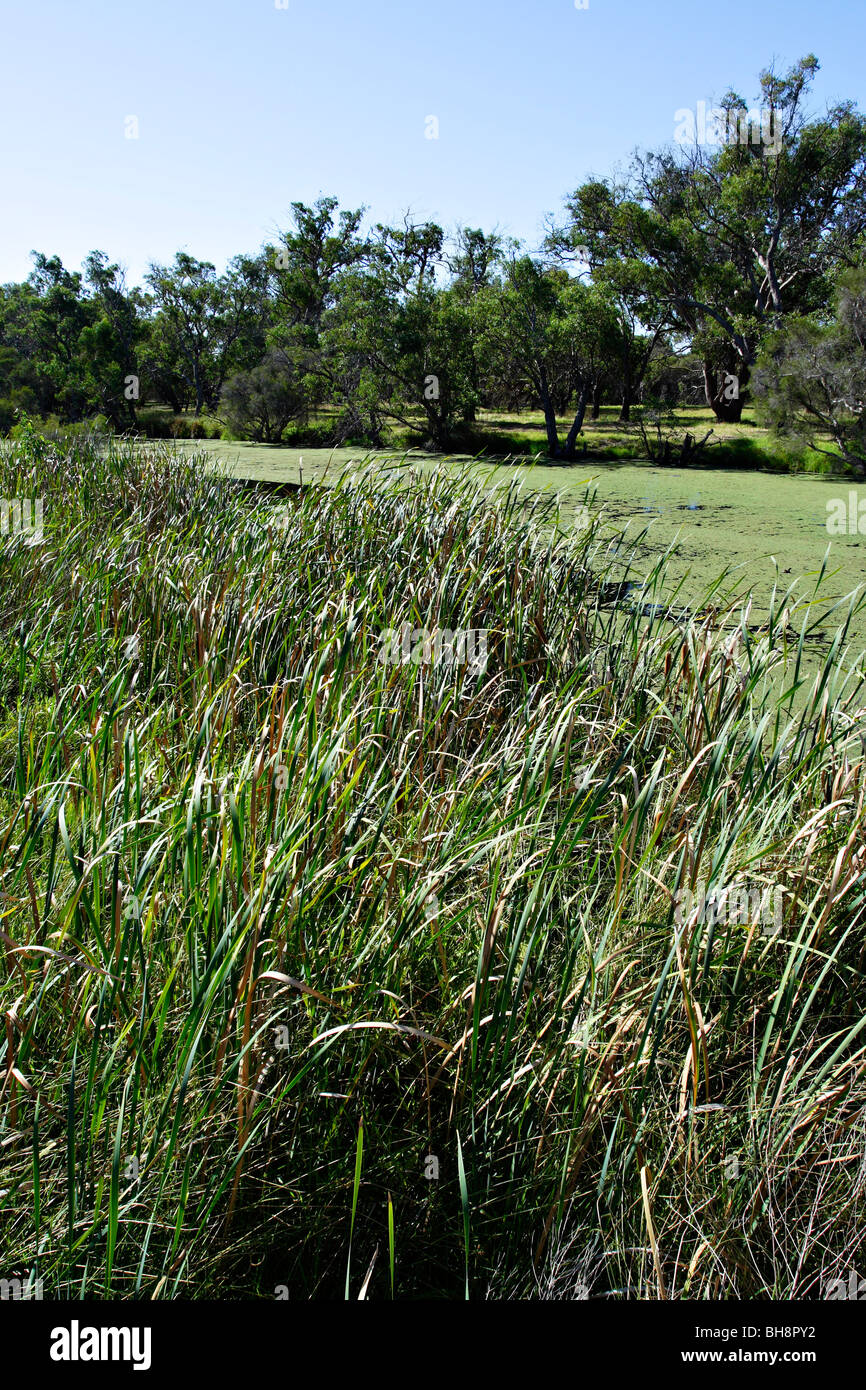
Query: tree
[
  {"x": 308, "y": 264},
  {"x": 811, "y": 376},
  {"x": 109, "y": 344},
  {"x": 42, "y": 323},
  {"x": 407, "y": 338},
  {"x": 551, "y": 333},
  {"x": 474, "y": 259},
  {"x": 604, "y": 234},
  {"x": 736, "y": 237},
  {"x": 308, "y": 272},
  {"x": 259, "y": 403},
  {"x": 205, "y": 325}
]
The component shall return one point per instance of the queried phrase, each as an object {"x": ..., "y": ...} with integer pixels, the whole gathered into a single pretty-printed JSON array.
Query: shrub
[
  {"x": 259, "y": 404},
  {"x": 155, "y": 424},
  {"x": 664, "y": 441},
  {"x": 810, "y": 382}
]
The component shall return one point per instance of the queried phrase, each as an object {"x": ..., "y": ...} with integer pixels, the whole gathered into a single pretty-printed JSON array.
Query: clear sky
[{"x": 243, "y": 107}]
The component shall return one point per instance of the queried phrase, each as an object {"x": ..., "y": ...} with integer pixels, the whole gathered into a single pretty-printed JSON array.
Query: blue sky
[{"x": 243, "y": 107}]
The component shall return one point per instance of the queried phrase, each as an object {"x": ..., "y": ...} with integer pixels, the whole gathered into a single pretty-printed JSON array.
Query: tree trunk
[
  {"x": 596, "y": 401},
  {"x": 725, "y": 395},
  {"x": 577, "y": 425},
  {"x": 549, "y": 417},
  {"x": 439, "y": 426},
  {"x": 727, "y": 412},
  {"x": 709, "y": 382}
]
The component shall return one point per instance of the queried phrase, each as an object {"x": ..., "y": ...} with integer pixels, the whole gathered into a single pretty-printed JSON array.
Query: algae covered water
[{"x": 764, "y": 530}]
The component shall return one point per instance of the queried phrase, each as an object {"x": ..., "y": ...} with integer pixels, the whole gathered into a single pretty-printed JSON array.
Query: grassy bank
[
  {"x": 745, "y": 446},
  {"x": 327, "y": 973}
]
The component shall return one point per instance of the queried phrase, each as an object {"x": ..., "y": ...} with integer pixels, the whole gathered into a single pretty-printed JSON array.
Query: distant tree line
[{"x": 706, "y": 273}]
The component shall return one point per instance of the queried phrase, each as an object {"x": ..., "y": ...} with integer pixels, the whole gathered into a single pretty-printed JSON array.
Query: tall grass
[{"x": 282, "y": 922}]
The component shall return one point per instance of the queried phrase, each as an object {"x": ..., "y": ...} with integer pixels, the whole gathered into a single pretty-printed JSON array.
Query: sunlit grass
[{"x": 281, "y": 922}]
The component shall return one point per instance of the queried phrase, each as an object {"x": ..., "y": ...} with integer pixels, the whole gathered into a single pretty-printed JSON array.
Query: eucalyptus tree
[
  {"x": 811, "y": 375},
  {"x": 604, "y": 234},
  {"x": 206, "y": 325},
  {"x": 553, "y": 334},
  {"x": 402, "y": 337},
  {"x": 733, "y": 238},
  {"x": 110, "y": 343},
  {"x": 41, "y": 323}
]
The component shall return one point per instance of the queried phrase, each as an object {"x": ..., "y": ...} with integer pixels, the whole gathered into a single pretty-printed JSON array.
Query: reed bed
[{"x": 327, "y": 976}]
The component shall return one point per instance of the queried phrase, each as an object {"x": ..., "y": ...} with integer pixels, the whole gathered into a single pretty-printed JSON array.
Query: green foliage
[
  {"x": 260, "y": 403},
  {"x": 811, "y": 377},
  {"x": 669, "y": 281},
  {"x": 717, "y": 244},
  {"x": 547, "y": 335},
  {"x": 205, "y": 325},
  {"x": 282, "y": 919}
]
